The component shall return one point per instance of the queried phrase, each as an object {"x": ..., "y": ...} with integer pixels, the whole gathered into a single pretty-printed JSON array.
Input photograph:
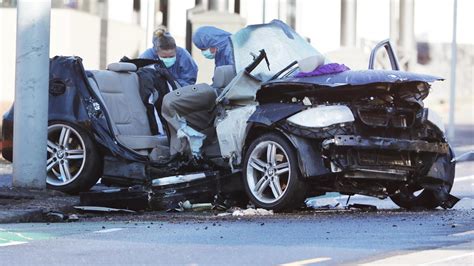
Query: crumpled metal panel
[
  {"x": 268, "y": 114},
  {"x": 232, "y": 131},
  {"x": 359, "y": 77},
  {"x": 387, "y": 144}
]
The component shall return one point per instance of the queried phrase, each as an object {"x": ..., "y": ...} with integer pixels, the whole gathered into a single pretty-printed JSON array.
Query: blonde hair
[{"x": 162, "y": 39}]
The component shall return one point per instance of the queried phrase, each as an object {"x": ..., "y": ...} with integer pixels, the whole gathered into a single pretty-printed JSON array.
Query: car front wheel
[
  {"x": 73, "y": 164},
  {"x": 415, "y": 197},
  {"x": 271, "y": 174}
]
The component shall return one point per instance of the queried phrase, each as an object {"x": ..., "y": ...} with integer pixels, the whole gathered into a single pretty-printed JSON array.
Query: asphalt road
[{"x": 388, "y": 236}]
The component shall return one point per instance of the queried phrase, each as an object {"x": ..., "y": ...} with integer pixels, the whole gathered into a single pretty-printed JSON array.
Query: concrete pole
[
  {"x": 291, "y": 13},
  {"x": 348, "y": 22},
  {"x": 219, "y": 5},
  {"x": 31, "y": 94},
  {"x": 407, "y": 31},
  {"x": 452, "y": 96},
  {"x": 394, "y": 13},
  {"x": 104, "y": 32},
  {"x": 150, "y": 22}
]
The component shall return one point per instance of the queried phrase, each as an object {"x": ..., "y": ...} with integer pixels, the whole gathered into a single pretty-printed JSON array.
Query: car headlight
[
  {"x": 322, "y": 116},
  {"x": 436, "y": 119}
]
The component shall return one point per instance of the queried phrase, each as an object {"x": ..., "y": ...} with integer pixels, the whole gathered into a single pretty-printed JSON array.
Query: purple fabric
[{"x": 332, "y": 68}]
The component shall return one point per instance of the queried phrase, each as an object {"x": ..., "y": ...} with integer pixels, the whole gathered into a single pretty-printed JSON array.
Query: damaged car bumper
[{"x": 386, "y": 144}]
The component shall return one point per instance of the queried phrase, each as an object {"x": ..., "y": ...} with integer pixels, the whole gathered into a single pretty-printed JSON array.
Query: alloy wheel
[
  {"x": 66, "y": 155},
  {"x": 268, "y": 172}
]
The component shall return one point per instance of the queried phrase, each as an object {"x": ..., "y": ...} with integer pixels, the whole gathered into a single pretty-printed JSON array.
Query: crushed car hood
[
  {"x": 349, "y": 85},
  {"x": 358, "y": 77}
]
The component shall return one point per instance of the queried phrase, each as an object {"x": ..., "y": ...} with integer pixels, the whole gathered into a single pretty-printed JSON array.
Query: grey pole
[
  {"x": 291, "y": 13},
  {"x": 150, "y": 21},
  {"x": 219, "y": 5},
  {"x": 452, "y": 96},
  {"x": 394, "y": 14},
  {"x": 31, "y": 93},
  {"x": 104, "y": 32},
  {"x": 407, "y": 31},
  {"x": 348, "y": 22}
]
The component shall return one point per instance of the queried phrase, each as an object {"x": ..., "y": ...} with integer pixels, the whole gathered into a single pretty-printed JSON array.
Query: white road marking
[
  {"x": 306, "y": 262},
  {"x": 463, "y": 233},
  {"x": 428, "y": 257},
  {"x": 449, "y": 258},
  {"x": 464, "y": 178},
  {"x": 109, "y": 230},
  {"x": 12, "y": 243},
  {"x": 22, "y": 236}
]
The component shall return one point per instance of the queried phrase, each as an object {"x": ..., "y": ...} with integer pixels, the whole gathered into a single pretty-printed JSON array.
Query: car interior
[{"x": 118, "y": 90}]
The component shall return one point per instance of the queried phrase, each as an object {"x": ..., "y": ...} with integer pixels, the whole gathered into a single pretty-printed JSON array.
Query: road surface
[{"x": 388, "y": 236}]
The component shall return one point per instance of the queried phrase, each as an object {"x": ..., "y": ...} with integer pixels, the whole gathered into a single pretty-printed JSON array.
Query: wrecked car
[{"x": 287, "y": 124}]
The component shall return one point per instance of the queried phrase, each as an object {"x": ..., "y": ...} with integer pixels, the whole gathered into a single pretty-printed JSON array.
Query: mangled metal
[{"x": 231, "y": 131}]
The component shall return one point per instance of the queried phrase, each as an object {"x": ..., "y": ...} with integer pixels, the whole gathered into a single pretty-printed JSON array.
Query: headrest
[
  {"x": 122, "y": 67},
  {"x": 223, "y": 75},
  {"x": 309, "y": 64}
]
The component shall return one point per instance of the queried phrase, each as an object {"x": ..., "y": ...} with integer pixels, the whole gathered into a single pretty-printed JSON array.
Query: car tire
[
  {"x": 271, "y": 174},
  {"x": 424, "y": 200},
  {"x": 414, "y": 197},
  {"x": 73, "y": 164}
]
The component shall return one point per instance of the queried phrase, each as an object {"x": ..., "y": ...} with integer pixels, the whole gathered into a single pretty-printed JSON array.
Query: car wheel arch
[
  {"x": 302, "y": 146},
  {"x": 257, "y": 130}
]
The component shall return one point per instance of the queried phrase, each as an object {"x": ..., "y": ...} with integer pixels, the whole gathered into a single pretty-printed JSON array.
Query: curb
[
  {"x": 21, "y": 216},
  {"x": 33, "y": 207}
]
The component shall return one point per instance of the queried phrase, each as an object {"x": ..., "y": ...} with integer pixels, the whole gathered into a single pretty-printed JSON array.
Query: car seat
[{"x": 118, "y": 88}]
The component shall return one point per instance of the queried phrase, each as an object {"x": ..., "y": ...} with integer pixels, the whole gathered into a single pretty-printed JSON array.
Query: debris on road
[
  {"x": 133, "y": 198},
  {"x": 73, "y": 218},
  {"x": 363, "y": 207},
  {"x": 173, "y": 193},
  {"x": 197, "y": 206},
  {"x": 322, "y": 203},
  {"x": 55, "y": 217},
  {"x": 101, "y": 209},
  {"x": 58, "y": 217},
  {"x": 252, "y": 212}
]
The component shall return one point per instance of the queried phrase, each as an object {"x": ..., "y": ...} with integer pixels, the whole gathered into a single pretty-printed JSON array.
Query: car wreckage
[{"x": 286, "y": 124}]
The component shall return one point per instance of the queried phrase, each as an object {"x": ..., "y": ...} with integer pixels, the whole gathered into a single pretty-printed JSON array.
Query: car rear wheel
[
  {"x": 271, "y": 174},
  {"x": 73, "y": 164}
]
